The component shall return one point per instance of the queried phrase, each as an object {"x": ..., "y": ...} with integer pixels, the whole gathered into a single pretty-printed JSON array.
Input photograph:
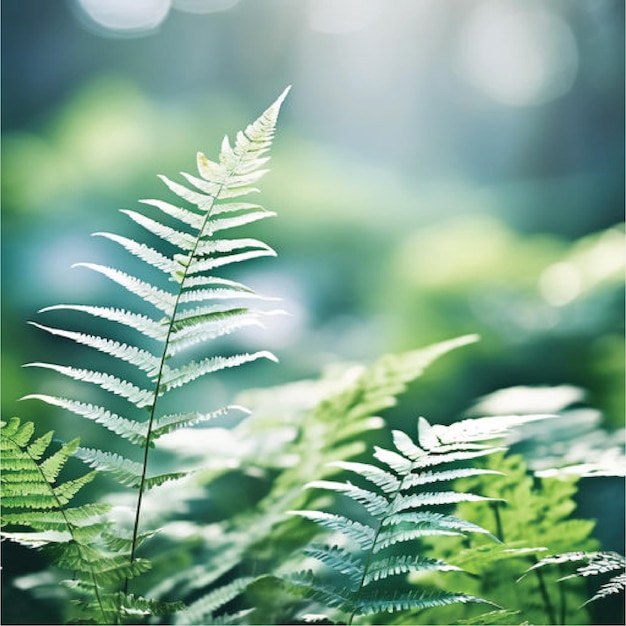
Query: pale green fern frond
[
  {"x": 358, "y": 398},
  {"x": 594, "y": 564},
  {"x": 190, "y": 305},
  {"x": 36, "y": 512},
  {"x": 204, "y": 610},
  {"x": 390, "y": 508}
]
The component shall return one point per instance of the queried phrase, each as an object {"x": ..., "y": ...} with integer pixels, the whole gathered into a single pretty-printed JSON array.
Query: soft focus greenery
[{"x": 412, "y": 209}]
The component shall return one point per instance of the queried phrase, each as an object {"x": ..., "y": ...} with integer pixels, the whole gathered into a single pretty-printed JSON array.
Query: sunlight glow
[
  {"x": 204, "y": 6},
  {"x": 517, "y": 57},
  {"x": 560, "y": 284},
  {"x": 338, "y": 17},
  {"x": 124, "y": 17}
]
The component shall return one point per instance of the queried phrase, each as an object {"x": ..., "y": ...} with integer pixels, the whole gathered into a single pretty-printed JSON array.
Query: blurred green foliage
[{"x": 371, "y": 261}]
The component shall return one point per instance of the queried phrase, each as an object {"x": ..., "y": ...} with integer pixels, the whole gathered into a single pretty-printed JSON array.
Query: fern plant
[
  {"x": 289, "y": 436},
  {"x": 37, "y": 514},
  {"x": 320, "y": 437},
  {"x": 192, "y": 306},
  {"x": 535, "y": 517},
  {"x": 395, "y": 501},
  {"x": 593, "y": 564}
]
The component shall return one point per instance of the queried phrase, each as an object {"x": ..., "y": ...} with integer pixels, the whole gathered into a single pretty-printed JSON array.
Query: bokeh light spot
[
  {"x": 560, "y": 284},
  {"x": 516, "y": 57},
  {"x": 123, "y": 17},
  {"x": 338, "y": 17},
  {"x": 204, "y": 6}
]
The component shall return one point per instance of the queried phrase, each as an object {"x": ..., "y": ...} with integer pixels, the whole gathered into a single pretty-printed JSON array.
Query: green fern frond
[
  {"x": 133, "y": 606},
  {"x": 411, "y": 601},
  {"x": 374, "y": 503},
  {"x": 393, "y": 565},
  {"x": 359, "y": 396},
  {"x": 55, "y": 519},
  {"x": 136, "y": 321},
  {"x": 401, "y": 527},
  {"x": 173, "y": 378},
  {"x": 337, "y": 558},
  {"x": 533, "y": 521},
  {"x": 397, "y": 512},
  {"x": 119, "y": 607},
  {"x": 162, "y": 300},
  {"x": 128, "y": 429},
  {"x": 595, "y": 564},
  {"x": 35, "y": 508},
  {"x": 360, "y": 533},
  {"x": 203, "y": 611},
  {"x": 128, "y": 391},
  {"x": 124, "y": 470},
  {"x": 168, "y": 423},
  {"x": 191, "y": 306}
]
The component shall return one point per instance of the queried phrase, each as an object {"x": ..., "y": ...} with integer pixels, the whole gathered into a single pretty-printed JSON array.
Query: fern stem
[
  {"x": 494, "y": 505},
  {"x": 543, "y": 590},
  {"x": 70, "y": 528},
  {"x": 157, "y": 385},
  {"x": 562, "y": 595},
  {"x": 365, "y": 569},
  {"x": 371, "y": 551}
]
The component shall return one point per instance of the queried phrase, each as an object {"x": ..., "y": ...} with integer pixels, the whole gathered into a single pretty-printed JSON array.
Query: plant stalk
[{"x": 543, "y": 590}]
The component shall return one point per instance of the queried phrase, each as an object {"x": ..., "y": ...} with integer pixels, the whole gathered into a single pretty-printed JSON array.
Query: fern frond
[
  {"x": 374, "y": 503},
  {"x": 160, "y": 299},
  {"x": 168, "y": 423},
  {"x": 329, "y": 594},
  {"x": 128, "y": 391},
  {"x": 134, "y": 606},
  {"x": 180, "y": 213},
  {"x": 617, "y": 584},
  {"x": 142, "y": 251},
  {"x": 401, "y": 527},
  {"x": 192, "y": 306},
  {"x": 393, "y": 565},
  {"x": 38, "y": 447},
  {"x": 424, "y": 478},
  {"x": 595, "y": 564},
  {"x": 226, "y": 223},
  {"x": 108, "y": 570},
  {"x": 181, "y": 240},
  {"x": 67, "y": 490},
  {"x": 360, "y": 533},
  {"x": 222, "y": 288},
  {"x": 357, "y": 395},
  {"x": 412, "y": 601},
  {"x": 398, "y": 512},
  {"x": 182, "y": 375},
  {"x": 387, "y": 481},
  {"x": 338, "y": 559},
  {"x": 200, "y": 328},
  {"x": 534, "y": 520},
  {"x": 125, "y": 471},
  {"x": 203, "y": 610},
  {"x": 128, "y": 429},
  {"x": 55, "y": 519},
  {"x": 415, "y": 501},
  {"x": 136, "y": 321},
  {"x": 38, "y": 505}
]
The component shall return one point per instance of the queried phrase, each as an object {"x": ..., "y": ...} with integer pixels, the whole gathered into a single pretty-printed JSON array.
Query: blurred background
[{"x": 440, "y": 168}]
